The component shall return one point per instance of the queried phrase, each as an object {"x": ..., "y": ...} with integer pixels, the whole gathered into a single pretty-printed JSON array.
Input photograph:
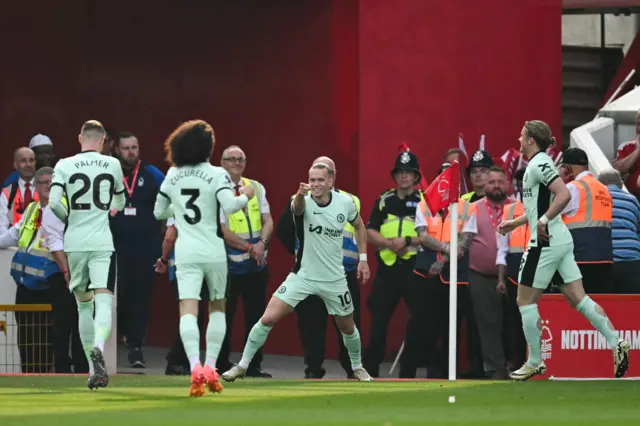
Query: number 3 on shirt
[{"x": 193, "y": 195}]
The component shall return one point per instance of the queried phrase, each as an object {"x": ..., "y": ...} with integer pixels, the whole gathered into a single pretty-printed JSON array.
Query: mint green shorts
[
  {"x": 336, "y": 295},
  {"x": 191, "y": 275},
  {"x": 88, "y": 267},
  {"x": 542, "y": 265}
]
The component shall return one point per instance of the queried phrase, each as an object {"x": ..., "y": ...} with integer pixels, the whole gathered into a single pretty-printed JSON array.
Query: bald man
[
  {"x": 246, "y": 235},
  {"x": 17, "y": 196},
  {"x": 312, "y": 312}
]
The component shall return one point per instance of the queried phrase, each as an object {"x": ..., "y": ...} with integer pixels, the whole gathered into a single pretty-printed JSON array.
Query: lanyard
[
  {"x": 133, "y": 181},
  {"x": 490, "y": 211}
]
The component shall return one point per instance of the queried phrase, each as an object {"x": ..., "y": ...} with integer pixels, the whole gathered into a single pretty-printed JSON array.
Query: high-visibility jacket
[
  {"x": 246, "y": 224},
  {"x": 33, "y": 263},
  {"x": 396, "y": 226},
  {"x": 518, "y": 240},
  {"x": 350, "y": 254},
  {"x": 441, "y": 231},
  {"x": 468, "y": 196},
  {"x": 591, "y": 225},
  {"x": 15, "y": 202}
]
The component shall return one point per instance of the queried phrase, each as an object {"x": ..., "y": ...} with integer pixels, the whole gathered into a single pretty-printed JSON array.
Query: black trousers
[
  {"x": 65, "y": 329},
  {"x": 391, "y": 284},
  {"x": 135, "y": 286},
  {"x": 428, "y": 330},
  {"x": 312, "y": 325},
  {"x": 177, "y": 355},
  {"x": 596, "y": 277},
  {"x": 626, "y": 277},
  {"x": 34, "y": 332},
  {"x": 252, "y": 289}
]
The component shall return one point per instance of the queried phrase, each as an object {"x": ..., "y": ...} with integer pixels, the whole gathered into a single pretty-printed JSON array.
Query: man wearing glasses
[{"x": 246, "y": 235}]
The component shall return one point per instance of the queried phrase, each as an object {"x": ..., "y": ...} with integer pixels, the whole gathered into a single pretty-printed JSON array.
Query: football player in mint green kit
[
  {"x": 550, "y": 250},
  {"x": 93, "y": 186},
  {"x": 192, "y": 193},
  {"x": 319, "y": 218}
]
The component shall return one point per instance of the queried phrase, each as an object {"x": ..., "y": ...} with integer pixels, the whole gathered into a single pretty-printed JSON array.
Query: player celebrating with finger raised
[
  {"x": 550, "y": 252},
  {"x": 319, "y": 218}
]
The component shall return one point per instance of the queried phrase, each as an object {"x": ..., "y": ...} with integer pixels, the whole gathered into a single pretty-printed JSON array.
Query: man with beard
[
  {"x": 18, "y": 195},
  {"x": 486, "y": 294},
  {"x": 137, "y": 237}
]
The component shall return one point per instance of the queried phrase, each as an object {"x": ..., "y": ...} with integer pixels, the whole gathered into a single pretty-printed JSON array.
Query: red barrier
[{"x": 571, "y": 347}]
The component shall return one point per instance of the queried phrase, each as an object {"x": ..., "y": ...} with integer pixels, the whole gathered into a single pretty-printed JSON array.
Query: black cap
[
  {"x": 575, "y": 157},
  {"x": 480, "y": 159},
  {"x": 407, "y": 161}
]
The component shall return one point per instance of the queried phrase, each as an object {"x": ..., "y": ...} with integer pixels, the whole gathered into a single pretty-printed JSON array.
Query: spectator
[
  {"x": 627, "y": 163},
  {"x": 478, "y": 171},
  {"x": 452, "y": 155},
  {"x": 107, "y": 147},
  {"x": 42, "y": 148},
  {"x": 137, "y": 237},
  {"x": 625, "y": 232},
  {"x": 16, "y": 197}
]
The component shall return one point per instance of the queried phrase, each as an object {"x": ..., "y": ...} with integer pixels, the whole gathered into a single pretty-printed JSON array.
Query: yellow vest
[
  {"x": 246, "y": 226},
  {"x": 396, "y": 226}
]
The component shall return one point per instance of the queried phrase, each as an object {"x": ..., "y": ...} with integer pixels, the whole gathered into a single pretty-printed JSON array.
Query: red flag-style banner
[
  {"x": 444, "y": 190},
  {"x": 423, "y": 184}
]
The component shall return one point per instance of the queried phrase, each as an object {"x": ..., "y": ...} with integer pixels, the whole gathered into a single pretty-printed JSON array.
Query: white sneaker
[
  {"x": 362, "y": 375},
  {"x": 236, "y": 372},
  {"x": 621, "y": 358},
  {"x": 526, "y": 372}
]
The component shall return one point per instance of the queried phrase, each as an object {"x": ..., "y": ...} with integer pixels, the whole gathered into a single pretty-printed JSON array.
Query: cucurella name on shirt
[{"x": 188, "y": 173}]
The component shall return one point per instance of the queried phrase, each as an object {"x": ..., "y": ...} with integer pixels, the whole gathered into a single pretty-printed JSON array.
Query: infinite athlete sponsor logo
[
  {"x": 527, "y": 192},
  {"x": 323, "y": 230}
]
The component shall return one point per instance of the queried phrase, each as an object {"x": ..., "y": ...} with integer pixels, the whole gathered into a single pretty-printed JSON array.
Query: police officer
[
  {"x": 246, "y": 234},
  {"x": 588, "y": 215},
  {"x": 478, "y": 171},
  {"x": 391, "y": 229}
]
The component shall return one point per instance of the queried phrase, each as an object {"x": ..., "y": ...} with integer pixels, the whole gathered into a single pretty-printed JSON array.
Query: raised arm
[{"x": 299, "y": 203}]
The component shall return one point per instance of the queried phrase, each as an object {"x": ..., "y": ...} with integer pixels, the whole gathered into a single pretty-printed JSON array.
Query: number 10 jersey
[
  {"x": 193, "y": 195},
  {"x": 92, "y": 184}
]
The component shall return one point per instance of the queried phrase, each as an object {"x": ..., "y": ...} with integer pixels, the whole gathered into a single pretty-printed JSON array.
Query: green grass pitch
[{"x": 148, "y": 400}]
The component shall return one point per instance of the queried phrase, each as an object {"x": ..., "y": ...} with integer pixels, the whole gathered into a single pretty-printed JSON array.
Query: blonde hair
[
  {"x": 322, "y": 166},
  {"x": 540, "y": 132}
]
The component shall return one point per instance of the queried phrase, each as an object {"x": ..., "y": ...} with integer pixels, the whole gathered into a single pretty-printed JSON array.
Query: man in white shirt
[
  {"x": 15, "y": 198},
  {"x": 44, "y": 252},
  {"x": 246, "y": 235}
]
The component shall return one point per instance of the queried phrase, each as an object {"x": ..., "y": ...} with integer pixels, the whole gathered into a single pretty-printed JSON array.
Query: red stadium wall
[{"x": 288, "y": 81}]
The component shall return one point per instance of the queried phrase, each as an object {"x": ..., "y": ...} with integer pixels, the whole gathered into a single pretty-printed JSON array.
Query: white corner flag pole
[{"x": 453, "y": 291}]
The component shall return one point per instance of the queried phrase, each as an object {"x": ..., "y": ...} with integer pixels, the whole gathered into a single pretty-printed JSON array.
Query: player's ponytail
[{"x": 540, "y": 132}]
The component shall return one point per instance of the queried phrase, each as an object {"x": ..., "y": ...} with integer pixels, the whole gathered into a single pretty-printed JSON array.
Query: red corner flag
[{"x": 444, "y": 190}]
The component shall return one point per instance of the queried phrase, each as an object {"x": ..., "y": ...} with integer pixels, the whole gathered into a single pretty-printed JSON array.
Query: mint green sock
[
  {"x": 216, "y": 329},
  {"x": 598, "y": 318},
  {"x": 85, "y": 328},
  {"x": 190, "y": 335},
  {"x": 102, "y": 324},
  {"x": 532, "y": 332},
  {"x": 354, "y": 348},
  {"x": 256, "y": 339}
]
